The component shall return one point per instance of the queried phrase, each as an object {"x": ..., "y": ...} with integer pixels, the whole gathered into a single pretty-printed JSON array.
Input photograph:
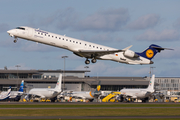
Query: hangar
[{"x": 76, "y": 80}]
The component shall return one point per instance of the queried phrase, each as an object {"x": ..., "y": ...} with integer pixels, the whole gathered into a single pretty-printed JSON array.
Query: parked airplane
[
  {"x": 15, "y": 95},
  {"x": 86, "y": 49},
  {"x": 5, "y": 95},
  {"x": 46, "y": 93},
  {"x": 87, "y": 95},
  {"x": 142, "y": 94}
]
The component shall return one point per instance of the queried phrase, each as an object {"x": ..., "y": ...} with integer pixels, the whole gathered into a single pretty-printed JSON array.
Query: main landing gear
[{"x": 93, "y": 61}]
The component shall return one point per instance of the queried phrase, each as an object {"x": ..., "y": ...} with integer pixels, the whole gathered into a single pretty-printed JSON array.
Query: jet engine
[{"x": 131, "y": 54}]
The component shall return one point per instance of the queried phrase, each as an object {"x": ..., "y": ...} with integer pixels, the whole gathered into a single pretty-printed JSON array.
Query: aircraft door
[{"x": 30, "y": 32}]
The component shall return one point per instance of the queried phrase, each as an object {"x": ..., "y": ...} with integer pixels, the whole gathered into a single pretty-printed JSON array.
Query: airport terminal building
[{"x": 78, "y": 81}]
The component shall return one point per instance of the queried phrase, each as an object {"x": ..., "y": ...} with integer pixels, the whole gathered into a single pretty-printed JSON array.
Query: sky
[{"x": 113, "y": 23}]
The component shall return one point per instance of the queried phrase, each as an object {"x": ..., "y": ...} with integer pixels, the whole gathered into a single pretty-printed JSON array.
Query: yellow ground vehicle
[{"x": 110, "y": 96}]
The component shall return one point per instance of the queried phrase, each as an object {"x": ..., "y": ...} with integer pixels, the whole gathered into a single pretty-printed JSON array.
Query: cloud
[
  {"x": 22, "y": 67},
  {"x": 144, "y": 22},
  {"x": 165, "y": 35},
  {"x": 4, "y": 27},
  {"x": 63, "y": 19},
  {"x": 177, "y": 24},
  {"x": 107, "y": 20}
]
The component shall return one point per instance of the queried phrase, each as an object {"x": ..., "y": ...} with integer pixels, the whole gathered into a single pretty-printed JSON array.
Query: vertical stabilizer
[
  {"x": 58, "y": 84},
  {"x": 151, "y": 51},
  {"x": 21, "y": 86},
  {"x": 98, "y": 87},
  {"x": 151, "y": 84}
]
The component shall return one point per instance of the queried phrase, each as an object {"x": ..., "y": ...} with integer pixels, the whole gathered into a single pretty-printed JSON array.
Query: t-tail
[
  {"x": 21, "y": 86},
  {"x": 150, "y": 52},
  {"x": 58, "y": 84},
  {"x": 151, "y": 84}
]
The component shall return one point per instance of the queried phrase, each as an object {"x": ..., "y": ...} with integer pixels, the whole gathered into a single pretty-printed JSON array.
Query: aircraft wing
[
  {"x": 38, "y": 95},
  {"x": 130, "y": 95},
  {"x": 95, "y": 53}
]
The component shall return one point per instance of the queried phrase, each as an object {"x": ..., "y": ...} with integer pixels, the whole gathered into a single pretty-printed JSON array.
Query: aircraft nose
[{"x": 10, "y": 32}]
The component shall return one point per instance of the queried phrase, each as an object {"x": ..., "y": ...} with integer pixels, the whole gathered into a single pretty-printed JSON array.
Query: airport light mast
[{"x": 64, "y": 71}]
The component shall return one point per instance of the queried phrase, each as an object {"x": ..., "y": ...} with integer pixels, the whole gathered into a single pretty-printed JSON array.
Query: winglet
[{"x": 127, "y": 48}]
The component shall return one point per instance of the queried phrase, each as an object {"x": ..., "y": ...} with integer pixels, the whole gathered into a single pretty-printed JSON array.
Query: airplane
[
  {"x": 46, "y": 93},
  {"x": 87, "y": 95},
  {"x": 86, "y": 49},
  {"x": 15, "y": 95},
  {"x": 142, "y": 94},
  {"x": 5, "y": 95}
]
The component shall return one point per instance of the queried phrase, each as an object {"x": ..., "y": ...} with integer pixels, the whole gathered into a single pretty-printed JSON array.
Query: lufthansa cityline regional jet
[{"x": 86, "y": 49}]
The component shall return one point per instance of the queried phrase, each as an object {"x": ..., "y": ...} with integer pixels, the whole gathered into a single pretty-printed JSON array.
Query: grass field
[{"x": 91, "y": 110}]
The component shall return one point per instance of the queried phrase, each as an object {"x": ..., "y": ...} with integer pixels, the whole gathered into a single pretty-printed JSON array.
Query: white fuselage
[
  {"x": 135, "y": 93},
  {"x": 74, "y": 45},
  {"x": 83, "y": 94},
  {"x": 44, "y": 92}
]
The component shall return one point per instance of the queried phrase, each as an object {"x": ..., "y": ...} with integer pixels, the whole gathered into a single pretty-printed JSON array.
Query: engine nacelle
[{"x": 131, "y": 54}]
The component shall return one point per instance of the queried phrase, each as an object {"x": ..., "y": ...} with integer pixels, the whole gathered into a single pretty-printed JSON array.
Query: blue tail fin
[
  {"x": 21, "y": 86},
  {"x": 150, "y": 52}
]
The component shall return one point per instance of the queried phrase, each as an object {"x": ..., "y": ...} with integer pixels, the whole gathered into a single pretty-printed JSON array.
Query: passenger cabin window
[{"x": 20, "y": 28}]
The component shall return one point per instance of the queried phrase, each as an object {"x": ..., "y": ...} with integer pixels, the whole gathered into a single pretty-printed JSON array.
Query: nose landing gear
[{"x": 15, "y": 40}]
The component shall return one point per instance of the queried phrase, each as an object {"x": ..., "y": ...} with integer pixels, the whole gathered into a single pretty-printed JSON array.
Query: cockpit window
[{"x": 20, "y": 28}]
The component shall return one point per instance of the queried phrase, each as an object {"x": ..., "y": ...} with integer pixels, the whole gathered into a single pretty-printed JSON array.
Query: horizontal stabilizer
[{"x": 160, "y": 48}]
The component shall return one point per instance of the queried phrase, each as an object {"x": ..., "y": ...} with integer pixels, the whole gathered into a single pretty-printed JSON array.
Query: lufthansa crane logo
[{"x": 149, "y": 53}]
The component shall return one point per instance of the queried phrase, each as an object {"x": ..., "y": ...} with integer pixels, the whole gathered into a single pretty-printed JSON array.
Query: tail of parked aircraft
[
  {"x": 151, "y": 84},
  {"x": 98, "y": 88},
  {"x": 21, "y": 86},
  {"x": 6, "y": 95},
  {"x": 58, "y": 84},
  {"x": 150, "y": 52}
]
